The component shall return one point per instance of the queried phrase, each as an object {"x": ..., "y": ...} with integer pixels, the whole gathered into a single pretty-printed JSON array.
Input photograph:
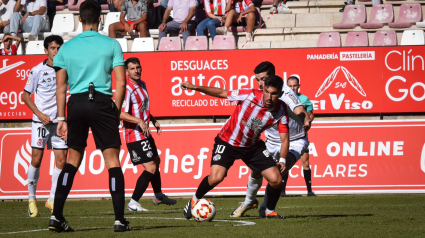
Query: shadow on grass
[
  {"x": 139, "y": 228},
  {"x": 330, "y": 216}
]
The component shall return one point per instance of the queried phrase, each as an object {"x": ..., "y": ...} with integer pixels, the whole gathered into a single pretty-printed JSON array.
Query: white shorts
[
  {"x": 46, "y": 134},
  {"x": 296, "y": 147}
]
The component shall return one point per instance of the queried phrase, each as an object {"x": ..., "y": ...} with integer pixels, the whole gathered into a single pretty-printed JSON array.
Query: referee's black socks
[
  {"x": 65, "y": 180},
  {"x": 273, "y": 195},
  {"x": 203, "y": 188},
  {"x": 142, "y": 185},
  {"x": 116, "y": 188}
]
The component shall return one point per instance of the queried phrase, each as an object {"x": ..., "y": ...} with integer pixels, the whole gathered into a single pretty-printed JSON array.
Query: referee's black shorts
[{"x": 100, "y": 115}]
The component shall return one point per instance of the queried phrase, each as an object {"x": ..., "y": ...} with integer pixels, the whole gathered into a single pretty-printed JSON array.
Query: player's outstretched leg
[
  {"x": 254, "y": 184},
  {"x": 66, "y": 178},
  {"x": 273, "y": 188},
  {"x": 159, "y": 197},
  {"x": 217, "y": 175},
  {"x": 141, "y": 186}
]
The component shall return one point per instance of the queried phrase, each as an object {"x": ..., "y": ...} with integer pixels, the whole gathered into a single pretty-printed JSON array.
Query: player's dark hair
[
  {"x": 293, "y": 78},
  {"x": 274, "y": 81},
  {"x": 90, "y": 12},
  {"x": 265, "y": 66},
  {"x": 132, "y": 60},
  {"x": 52, "y": 38}
]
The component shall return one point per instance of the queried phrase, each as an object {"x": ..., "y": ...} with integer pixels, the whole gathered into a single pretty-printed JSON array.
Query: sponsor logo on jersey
[
  {"x": 136, "y": 158},
  {"x": 266, "y": 153},
  {"x": 29, "y": 81},
  {"x": 145, "y": 104},
  {"x": 217, "y": 157},
  {"x": 235, "y": 93},
  {"x": 40, "y": 142},
  {"x": 149, "y": 154},
  {"x": 45, "y": 74},
  {"x": 254, "y": 125}
]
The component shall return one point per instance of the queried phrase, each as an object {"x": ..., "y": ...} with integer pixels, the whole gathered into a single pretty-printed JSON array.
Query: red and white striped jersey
[
  {"x": 241, "y": 6},
  {"x": 216, "y": 7},
  {"x": 136, "y": 104},
  {"x": 251, "y": 118},
  {"x": 12, "y": 51}
]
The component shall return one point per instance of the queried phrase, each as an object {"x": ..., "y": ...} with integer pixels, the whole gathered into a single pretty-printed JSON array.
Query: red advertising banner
[
  {"x": 337, "y": 80},
  {"x": 353, "y": 157}
]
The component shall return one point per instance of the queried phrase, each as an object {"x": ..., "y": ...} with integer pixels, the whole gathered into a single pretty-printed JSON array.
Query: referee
[{"x": 86, "y": 63}]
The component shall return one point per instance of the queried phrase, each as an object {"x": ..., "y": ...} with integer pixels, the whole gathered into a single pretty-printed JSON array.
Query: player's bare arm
[
  {"x": 311, "y": 115},
  {"x": 284, "y": 148},
  {"x": 31, "y": 105},
  {"x": 119, "y": 72},
  {"x": 307, "y": 121},
  {"x": 210, "y": 91},
  {"x": 129, "y": 118},
  {"x": 156, "y": 124},
  {"x": 61, "y": 79}
]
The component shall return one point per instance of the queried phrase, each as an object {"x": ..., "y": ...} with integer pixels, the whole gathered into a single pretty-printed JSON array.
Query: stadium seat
[
  {"x": 196, "y": 43},
  {"x": 35, "y": 48},
  {"x": 62, "y": 23},
  {"x": 123, "y": 43},
  {"x": 353, "y": 15},
  {"x": 385, "y": 38},
  {"x": 170, "y": 44},
  {"x": 358, "y": 39},
  {"x": 76, "y": 7},
  {"x": 329, "y": 39},
  {"x": 111, "y": 18},
  {"x": 412, "y": 37},
  {"x": 226, "y": 42},
  {"x": 143, "y": 44},
  {"x": 409, "y": 14},
  {"x": 267, "y": 2},
  {"x": 62, "y": 7},
  {"x": 380, "y": 15},
  {"x": 420, "y": 24},
  {"x": 104, "y": 7}
]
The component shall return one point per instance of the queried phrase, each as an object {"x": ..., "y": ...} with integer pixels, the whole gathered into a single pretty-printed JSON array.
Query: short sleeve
[
  {"x": 144, "y": 7},
  {"x": 308, "y": 105},
  {"x": 124, "y": 7},
  {"x": 193, "y": 3},
  {"x": 239, "y": 95},
  {"x": 171, "y": 3},
  {"x": 248, "y": 3},
  {"x": 207, "y": 7},
  {"x": 118, "y": 58},
  {"x": 290, "y": 98},
  {"x": 31, "y": 85},
  {"x": 43, "y": 3},
  {"x": 58, "y": 60},
  {"x": 126, "y": 104},
  {"x": 283, "y": 122}
]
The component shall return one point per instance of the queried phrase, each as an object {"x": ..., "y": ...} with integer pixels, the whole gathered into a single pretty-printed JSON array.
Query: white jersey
[
  {"x": 42, "y": 82},
  {"x": 295, "y": 124}
]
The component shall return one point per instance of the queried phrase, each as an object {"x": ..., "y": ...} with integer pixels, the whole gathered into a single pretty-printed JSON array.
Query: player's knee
[
  {"x": 276, "y": 183},
  {"x": 255, "y": 176},
  {"x": 60, "y": 162},
  {"x": 111, "y": 28},
  {"x": 250, "y": 16},
  {"x": 214, "y": 180}
]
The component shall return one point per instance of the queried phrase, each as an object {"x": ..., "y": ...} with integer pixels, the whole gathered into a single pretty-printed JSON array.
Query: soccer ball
[{"x": 203, "y": 210}]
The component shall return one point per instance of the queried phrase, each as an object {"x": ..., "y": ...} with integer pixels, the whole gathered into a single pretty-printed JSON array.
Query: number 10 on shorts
[{"x": 220, "y": 149}]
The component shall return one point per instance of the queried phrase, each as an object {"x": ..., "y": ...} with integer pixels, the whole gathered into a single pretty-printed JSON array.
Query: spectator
[
  {"x": 34, "y": 20},
  {"x": 241, "y": 12},
  {"x": 51, "y": 10},
  {"x": 184, "y": 18},
  {"x": 9, "y": 48},
  {"x": 116, "y": 5},
  {"x": 156, "y": 14},
  {"x": 282, "y": 9},
  {"x": 216, "y": 18},
  {"x": 6, "y": 11},
  {"x": 137, "y": 14}
]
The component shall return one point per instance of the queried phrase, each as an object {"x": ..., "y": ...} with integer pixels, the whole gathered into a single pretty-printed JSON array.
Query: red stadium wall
[
  {"x": 345, "y": 157},
  {"x": 337, "y": 80}
]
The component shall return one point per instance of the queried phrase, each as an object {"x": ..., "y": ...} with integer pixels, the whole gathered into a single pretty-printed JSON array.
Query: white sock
[
  {"x": 159, "y": 195},
  {"x": 251, "y": 192},
  {"x": 194, "y": 198},
  {"x": 33, "y": 175},
  {"x": 55, "y": 177},
  {"x": 132, "y": 202},
  {"x": 269, "y": 211}
]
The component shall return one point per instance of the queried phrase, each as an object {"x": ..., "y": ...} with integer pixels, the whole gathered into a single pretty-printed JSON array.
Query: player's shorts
[
  {"x": 135, "y": 26},
  {"x": 100, "y": 115},
  {"x": 256, "y": 157},
  {"x": 46, "y": 134},
  {"x": 296, "y": 147},
  {"x": 142, "y": 151}
]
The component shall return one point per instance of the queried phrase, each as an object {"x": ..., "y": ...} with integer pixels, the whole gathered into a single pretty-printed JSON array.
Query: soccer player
[
  {"x": 140, "y": 143},
  {"x": 42, "y": 82},
  {"x": 299, "y": 122},
  {"x": 86, "y": 63},
  {"x": 239, "y": 138},
  {"x": 294, "y": 83}
]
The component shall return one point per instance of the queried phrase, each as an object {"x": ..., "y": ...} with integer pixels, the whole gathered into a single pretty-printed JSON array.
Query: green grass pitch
[{"x": 323, "y": 216}]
